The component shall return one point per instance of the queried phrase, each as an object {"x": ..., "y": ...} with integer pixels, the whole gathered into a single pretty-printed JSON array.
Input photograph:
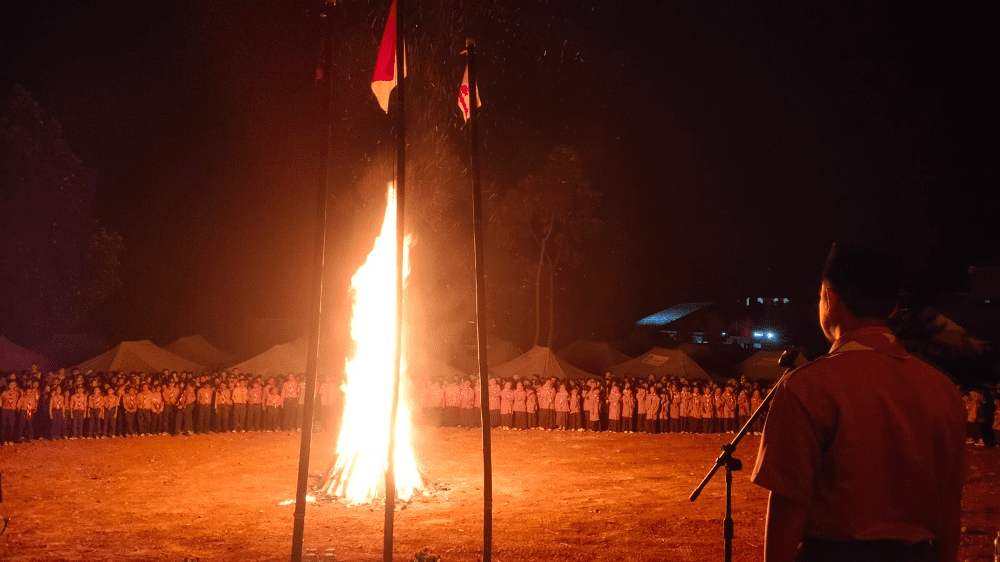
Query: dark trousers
[
  {"x": 129, "y": 423},
  {"x": 184, "y": 420},
  {"x": 58, "y": 425},
  {"x": 254, "y": 414},
  {"x": 25, "y": 426},
  {"x": 271, "y": 418},
  {"x": 8, "y": 423},
  {"x": 289, "y": 407},
  {"x": 77, "y": 423},
  {"x": 204, "y": 415},
  {"x": 94, "y": 423},
  {"x": 110, "y": 417},
  {"x": 223, "y": 420},
  {"x": 169, "y": 412},
  {"x": 239, "y": 417},
  {"x": 144, "y": 417},
  {"x": 820, "y": 550}
]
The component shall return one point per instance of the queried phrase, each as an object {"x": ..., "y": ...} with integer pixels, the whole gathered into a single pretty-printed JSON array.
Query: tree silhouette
[{"x": 56, "y": 262}]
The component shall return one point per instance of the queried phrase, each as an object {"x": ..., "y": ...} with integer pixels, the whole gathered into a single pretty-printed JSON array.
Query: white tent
[
  {"x": 595, "y": 357},
  {"x": 144, "y": 356},
  {"x": 198, "y": 349},
  {"x": 661, "y": 362},
  {"x": 70, "y": 349},
  {"x": 764, "y": 366},
  {"x": 282, "y": 359},
  {"x": 16, "y": 358},
  {"x": 538, "y": 362}
]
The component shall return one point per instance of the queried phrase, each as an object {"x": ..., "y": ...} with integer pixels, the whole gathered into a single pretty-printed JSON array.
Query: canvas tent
[
  {"x": 538, "y": 362},
  {"x": 661, "y": 362},
  {"x": 144, "y": 356},
  {"x": 70, "y": 349},
  {"x": 282, "y": 359},
  {"x": 16, "y": 358},
  {"x": 595, "y": 357},
  {"x": 763, "y": 366},
  {"x": 198, "y": 349},
  {"x": 498, "y": 352}
]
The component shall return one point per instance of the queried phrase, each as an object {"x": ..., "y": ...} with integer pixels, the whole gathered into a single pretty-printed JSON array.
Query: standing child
[
  {"x": 56, "y": 415},
  {"x": 615, "y": 409},
  {"x": 78, "y": 405},
  {"x": 628, "y": 409},
  {"x": 574, "y": 410},
  {"x": 111, "y": 401},
  {"x": 561, "y": 408}
]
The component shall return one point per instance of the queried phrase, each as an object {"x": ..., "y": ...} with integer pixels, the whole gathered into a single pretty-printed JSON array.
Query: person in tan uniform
[
  {"x": 130, "y": 405},
  {"x": 184, "y": 418},
  {"x": 56, "y": 415},
  {"x": 204, "y": 408},
  {"x": 290, "y": 402},
  {"x": 272, "y": 407},
  {"x": 255, "y": 406},
  {"x": 111, "y": 401},
  {"x": 862, "y": 448},
  {"x": 8, "y": 412}
]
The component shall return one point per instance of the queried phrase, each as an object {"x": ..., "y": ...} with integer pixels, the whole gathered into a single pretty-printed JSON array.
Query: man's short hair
[{"x": 867, "y": 279}]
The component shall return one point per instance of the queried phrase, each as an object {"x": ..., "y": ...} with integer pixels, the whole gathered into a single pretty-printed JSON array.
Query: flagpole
[
  {"x": 390, "y": 470},
  {"x": 477, "y": 230},
  {"x": 312, "y": 355}
]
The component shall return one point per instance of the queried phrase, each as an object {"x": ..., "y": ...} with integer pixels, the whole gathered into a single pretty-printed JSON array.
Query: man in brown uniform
[{"x": 862, "y": 448}]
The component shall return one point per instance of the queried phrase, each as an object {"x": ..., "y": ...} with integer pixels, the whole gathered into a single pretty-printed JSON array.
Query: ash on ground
[{"x": 429, "y": 491}]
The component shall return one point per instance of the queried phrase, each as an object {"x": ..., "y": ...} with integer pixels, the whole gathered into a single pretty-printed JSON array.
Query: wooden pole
[
  {"x": 477, "y": 229},
  {"x": 390, "y": 470},
  {"x": 312, "y": 355}
]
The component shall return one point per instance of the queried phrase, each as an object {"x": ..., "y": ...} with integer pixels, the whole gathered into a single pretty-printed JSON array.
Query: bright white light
[{"x": 364, "y": 437}]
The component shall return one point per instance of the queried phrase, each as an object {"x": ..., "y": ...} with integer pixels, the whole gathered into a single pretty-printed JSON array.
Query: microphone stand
[{"x": 732, "y": 464}]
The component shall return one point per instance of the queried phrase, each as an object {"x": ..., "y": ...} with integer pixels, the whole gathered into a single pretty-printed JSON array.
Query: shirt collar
[{"x": 876, "y": 338}]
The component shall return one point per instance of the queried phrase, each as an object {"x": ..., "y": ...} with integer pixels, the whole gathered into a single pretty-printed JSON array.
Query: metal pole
[
  {"x": 390, "y": 469},
  {"x": 317, "y": 296},
  {"x": 477, "y": 229}
]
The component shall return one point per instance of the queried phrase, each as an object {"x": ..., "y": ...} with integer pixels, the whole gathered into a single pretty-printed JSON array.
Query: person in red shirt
[
  {"x": 272, "y": 405},
  {"x": 466, "y": 402},
  {"x": 111, "y": 401},
  {"x": 255, "y": 406},
  {"x": 56, "y": 415},
  {"x": 615, "y": 409},
  {"x": 494, "y": 403},
  {"x": 8, "y": 412},
  {"x": 561, "y": 409},
  {"x": 520, "y": 407},
  {"x": 130, "y": 405},
  {"x": 863, "y": 448},
  {"x": 290, "y": 402}
]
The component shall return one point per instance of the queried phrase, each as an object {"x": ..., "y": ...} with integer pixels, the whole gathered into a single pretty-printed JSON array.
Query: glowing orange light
[{"x": 359, "y": 473}]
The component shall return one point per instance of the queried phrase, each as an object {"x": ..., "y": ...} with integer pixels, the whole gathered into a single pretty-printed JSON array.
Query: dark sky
[{"x": 733, "y": 141}]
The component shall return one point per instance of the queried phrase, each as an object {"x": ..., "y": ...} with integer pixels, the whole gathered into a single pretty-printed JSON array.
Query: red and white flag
[
  {"x": 464, "y": 103},
  {"x": 384, "y": 78}
]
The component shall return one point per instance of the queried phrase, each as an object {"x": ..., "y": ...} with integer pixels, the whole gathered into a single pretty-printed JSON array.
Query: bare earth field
[{"x": 558, "y": 496}]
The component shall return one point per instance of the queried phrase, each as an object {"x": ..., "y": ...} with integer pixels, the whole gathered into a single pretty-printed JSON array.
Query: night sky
[{"x": 733, "y": 142}]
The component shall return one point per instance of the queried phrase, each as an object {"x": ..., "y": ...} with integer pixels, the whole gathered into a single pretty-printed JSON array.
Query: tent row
[
  {"x": 587, "y": 358},
  {"x": 190, "y": 353},
  {"x": 581, "y": 360}
]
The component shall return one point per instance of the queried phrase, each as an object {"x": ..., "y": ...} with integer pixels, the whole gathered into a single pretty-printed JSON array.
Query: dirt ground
[{"x": 558, "y": 496}]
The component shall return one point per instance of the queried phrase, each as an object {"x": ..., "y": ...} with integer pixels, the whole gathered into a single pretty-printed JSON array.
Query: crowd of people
[
  {"x": 60, "y": 405},
  {"x": 632, "y": 405}
]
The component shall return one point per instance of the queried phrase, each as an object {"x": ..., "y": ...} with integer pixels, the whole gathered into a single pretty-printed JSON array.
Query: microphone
[{"x": 787, "y": 359}]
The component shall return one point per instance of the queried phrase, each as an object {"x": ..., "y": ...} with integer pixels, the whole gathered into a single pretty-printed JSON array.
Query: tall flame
[{"x": 364, "y": 435}]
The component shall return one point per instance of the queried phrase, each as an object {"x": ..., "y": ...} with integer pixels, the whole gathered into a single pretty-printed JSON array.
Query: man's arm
[{"x": 786, "y": 524}]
